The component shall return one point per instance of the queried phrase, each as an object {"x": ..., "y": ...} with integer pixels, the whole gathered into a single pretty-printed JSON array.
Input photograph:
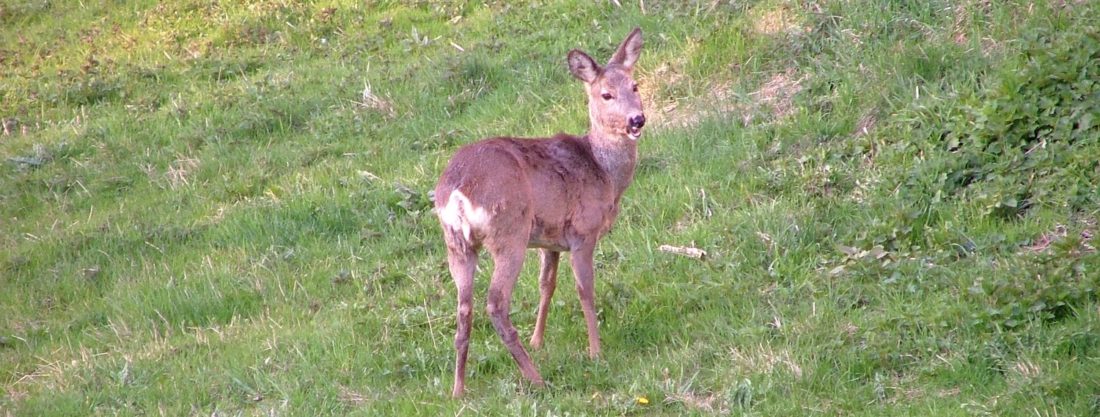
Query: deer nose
[{"x": 637, "y": 121}]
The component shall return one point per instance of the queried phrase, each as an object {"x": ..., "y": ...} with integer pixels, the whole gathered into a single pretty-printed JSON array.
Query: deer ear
[
  {"x": 627, "y": 54},
  {"x": 583, "y": 66}
]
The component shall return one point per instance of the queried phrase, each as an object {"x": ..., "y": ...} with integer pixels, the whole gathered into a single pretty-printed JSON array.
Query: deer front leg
[
  {"x": 548, "y": 281},
  {"x": 581, "y": 259}
]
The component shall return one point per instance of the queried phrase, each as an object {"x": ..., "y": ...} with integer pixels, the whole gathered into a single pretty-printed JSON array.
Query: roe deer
[{"x": 556, "y": 194}]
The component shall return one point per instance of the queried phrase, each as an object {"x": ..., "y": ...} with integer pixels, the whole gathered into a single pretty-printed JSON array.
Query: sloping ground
[{"x": 222, "y": 209}]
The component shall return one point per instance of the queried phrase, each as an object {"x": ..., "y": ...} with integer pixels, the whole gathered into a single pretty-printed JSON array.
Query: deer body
[{"x": 556, "y": 194}]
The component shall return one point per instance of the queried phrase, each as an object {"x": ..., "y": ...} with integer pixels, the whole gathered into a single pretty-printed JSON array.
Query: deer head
[{"x": 614, "y": 107}]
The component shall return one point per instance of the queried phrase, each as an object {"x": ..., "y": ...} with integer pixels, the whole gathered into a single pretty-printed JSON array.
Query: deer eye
[
  {"x": 635, "y": 88},
  {"x": 606, "y": 96}
]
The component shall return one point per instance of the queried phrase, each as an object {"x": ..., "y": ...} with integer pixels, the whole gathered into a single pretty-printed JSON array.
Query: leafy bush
[
  {"x": 1028, "y": 138},
  {"x": 1048, "y": 286}
]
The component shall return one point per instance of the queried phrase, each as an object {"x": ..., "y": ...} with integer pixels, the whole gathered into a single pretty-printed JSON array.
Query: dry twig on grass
[{"x": 690, "y": 252}]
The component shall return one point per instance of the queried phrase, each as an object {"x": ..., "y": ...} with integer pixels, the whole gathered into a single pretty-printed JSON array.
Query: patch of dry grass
[
  {"x": 763, "y": 359},
  {"x": 781, "y": 19}
]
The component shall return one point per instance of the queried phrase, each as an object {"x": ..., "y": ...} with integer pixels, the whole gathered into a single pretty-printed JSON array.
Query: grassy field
[{"x": 221, "y": 208}]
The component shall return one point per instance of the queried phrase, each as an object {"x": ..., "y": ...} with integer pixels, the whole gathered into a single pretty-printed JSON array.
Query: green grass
[{"x": 205, "y": 216}]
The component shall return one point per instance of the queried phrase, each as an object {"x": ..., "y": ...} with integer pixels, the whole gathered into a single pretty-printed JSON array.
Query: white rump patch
[{"x": 461, "y": 214}]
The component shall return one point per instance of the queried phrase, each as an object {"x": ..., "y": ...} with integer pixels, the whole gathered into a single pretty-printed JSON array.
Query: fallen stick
[{"x": 695, "y": 253}]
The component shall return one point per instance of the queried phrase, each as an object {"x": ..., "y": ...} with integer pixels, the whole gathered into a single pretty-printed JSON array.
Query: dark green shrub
[
  {"x": 1046, "y": 287},
  {"x": 1028, "y": 138}
]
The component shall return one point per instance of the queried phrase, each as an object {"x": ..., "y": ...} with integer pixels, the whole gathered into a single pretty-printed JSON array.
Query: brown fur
[{"x": 556, "y": 194}]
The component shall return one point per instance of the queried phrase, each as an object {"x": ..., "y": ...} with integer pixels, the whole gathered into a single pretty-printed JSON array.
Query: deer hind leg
[
  {"x": 462, "y": 261},
  {"x": 548, "y": 281},
  {"x": 508, "y": 261},
  {"x": 581, "y": 260}
]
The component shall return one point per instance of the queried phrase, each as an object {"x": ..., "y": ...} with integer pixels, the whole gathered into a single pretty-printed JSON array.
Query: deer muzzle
[{"x": 634, "y": 129}]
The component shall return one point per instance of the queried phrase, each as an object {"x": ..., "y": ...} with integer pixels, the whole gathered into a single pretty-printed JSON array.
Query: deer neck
[{"x": 616, "y": 156}]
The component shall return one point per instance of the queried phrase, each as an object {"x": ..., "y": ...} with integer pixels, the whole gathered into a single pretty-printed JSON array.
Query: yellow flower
[{"x": 643, "y": 400}]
